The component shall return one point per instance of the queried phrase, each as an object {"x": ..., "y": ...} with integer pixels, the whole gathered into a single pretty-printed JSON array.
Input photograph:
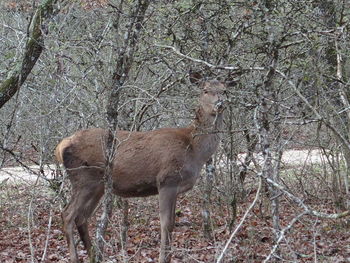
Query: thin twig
[
  {"x": 240, "y": 223},
  {"x": 300, "y": 203},
  {"x": 47, "y": 237},
  {"x": 177, "y": 52},
  {"x": 282, "y": 234}
]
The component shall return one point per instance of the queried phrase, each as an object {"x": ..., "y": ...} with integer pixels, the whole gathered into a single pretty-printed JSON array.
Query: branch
[
  {"x": 33, "y": 49},
  {"x": 125, "y": 56},
  {"x": 281, "y": 235},
  {"x": 240, "y": 223},
  {"x": 335, "y": 130},
  {"x": 301, "y": 204},
  {"x": 207, "y": 63}
]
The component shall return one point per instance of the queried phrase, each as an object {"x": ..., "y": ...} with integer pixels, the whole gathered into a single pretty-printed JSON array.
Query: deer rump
[{"x": 143, "y": 160}]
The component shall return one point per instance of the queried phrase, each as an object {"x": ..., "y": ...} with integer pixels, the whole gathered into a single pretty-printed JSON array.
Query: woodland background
[{"x": 70, "y": 65}]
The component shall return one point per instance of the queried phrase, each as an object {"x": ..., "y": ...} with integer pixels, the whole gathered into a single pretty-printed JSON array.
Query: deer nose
[{"x": 219, "y": 105}]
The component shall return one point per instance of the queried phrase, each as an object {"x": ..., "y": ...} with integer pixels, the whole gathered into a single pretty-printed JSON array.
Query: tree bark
[
  {"x": 268, "y": 111},
  {"x": 125, "y": 58},
  {"x": 32, "y": 51},
  {"x": 334, "y": 60},
  {"x": 209, "y": 176}
]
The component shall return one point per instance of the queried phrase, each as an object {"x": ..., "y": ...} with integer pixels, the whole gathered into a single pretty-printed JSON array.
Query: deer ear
[
  {"x": 230, "y": 82},
  {"x": 195, "y": 77}
]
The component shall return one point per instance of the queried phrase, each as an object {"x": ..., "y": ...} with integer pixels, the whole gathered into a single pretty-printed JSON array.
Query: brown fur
[{"x": 164, "y": 161}]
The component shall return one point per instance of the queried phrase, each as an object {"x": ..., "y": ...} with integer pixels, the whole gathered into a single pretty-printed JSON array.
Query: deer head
[
  {"x": 213, "y": 94},
  {"x": 212, "y": 98}
]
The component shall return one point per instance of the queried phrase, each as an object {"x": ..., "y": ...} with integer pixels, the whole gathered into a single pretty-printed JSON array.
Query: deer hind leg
[
  {"x": 79, "y": 209},
  {"x": 81, "y": 220},
  {"x": 68, "y": 215},
  {"x": 167, "y": 203}
]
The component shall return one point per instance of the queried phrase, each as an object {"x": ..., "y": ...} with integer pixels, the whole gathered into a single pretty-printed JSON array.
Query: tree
[
  {"x": 106, "y": 65},
  {"x": 34, "y": 46},
  {"x": 125, "y": 58}
]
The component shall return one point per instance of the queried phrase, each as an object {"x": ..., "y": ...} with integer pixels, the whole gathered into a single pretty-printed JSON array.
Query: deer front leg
[{"x": 167, "y": 202}]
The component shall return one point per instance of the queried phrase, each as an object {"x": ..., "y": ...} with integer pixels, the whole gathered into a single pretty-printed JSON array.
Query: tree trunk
[
  {"x": 267, "y": 114},
  {"x": 124, "y": 63},
  {"x": 32, "y": 51},
  {"x": 334, "y": 60},
  {"x": 208, "y": 186}
]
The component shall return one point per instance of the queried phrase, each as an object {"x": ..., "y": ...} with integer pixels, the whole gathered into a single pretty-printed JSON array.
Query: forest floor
[{"x": 31, "y": 227}]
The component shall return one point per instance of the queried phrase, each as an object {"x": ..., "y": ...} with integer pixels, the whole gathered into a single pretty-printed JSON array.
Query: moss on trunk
[{"x": 32, "y": 51}]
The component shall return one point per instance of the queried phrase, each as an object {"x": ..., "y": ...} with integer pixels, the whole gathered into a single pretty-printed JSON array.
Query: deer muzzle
[{"x": 219, "y": 105}]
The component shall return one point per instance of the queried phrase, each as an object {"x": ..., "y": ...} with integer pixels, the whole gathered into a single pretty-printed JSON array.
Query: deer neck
[{"x": 206, "y": 134}]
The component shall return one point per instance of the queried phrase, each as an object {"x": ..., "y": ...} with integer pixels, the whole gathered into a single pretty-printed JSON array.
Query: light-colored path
[
  {"x": 29, "y": 175},
  {"x": 293, "y": 157}
]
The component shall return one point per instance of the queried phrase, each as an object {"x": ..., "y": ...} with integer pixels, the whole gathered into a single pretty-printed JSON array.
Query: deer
[{"x": 164, "y": 161}]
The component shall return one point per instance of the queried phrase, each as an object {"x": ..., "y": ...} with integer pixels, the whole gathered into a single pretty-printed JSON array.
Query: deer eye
[{"x": 205, "y": 91}]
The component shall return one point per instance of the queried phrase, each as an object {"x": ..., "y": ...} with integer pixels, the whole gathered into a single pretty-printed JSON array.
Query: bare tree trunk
[
  {"x": 268, "y": 170},
  {"x": 234, "y": 188},
  {"x": 209, "y": 176},
  {"x": 209, "y": 167},
  {"x": 107, "y": 203},
  {"x": 125, "y": 223},
  {"x": 334, "y": 59},
  {"x": 268, "y": 111},
  {"x": 125, "y": 57},
  {"x": 32, "y": 51},
  {"x": 344, "y": 98}
]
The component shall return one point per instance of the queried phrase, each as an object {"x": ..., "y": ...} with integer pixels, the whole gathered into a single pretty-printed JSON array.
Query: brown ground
[{"x": 30, "y": 217}]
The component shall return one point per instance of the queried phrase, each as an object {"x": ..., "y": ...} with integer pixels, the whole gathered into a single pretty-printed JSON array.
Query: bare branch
[
  {"x": 240, "y": 223},
  {"x": 300, "y": 202},
  {"x": 282, "y": 234},
  {"x": 317, "y": 114},
  {"x": 207, "y": 63}
]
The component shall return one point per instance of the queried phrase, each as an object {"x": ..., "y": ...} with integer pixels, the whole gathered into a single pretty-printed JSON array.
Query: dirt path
[
  {"x": 27, "y": 175},
  {"x": 294, "y": 157}
]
